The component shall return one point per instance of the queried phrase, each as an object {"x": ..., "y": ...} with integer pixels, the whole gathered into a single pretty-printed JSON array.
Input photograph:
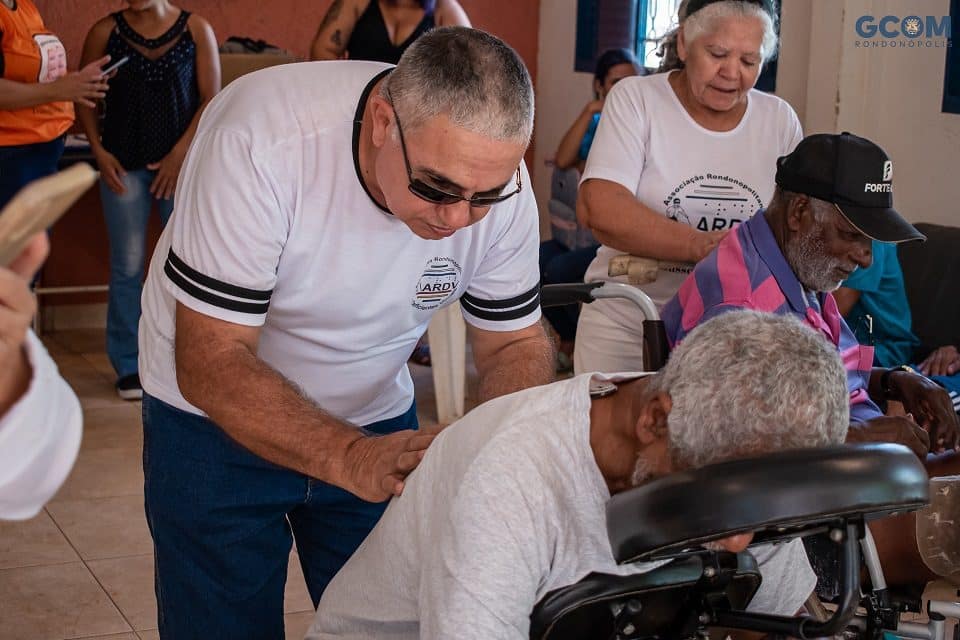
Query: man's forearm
[
  {"x": 263, "y": 411},
  {"x": 519, "y": 365}
]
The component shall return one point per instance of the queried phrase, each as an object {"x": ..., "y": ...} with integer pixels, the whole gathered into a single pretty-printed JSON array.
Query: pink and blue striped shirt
[{"x": 748, "y": 270}]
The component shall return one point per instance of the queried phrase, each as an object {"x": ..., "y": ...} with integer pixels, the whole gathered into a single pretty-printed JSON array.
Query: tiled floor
[{"x": 83, "y": 568}]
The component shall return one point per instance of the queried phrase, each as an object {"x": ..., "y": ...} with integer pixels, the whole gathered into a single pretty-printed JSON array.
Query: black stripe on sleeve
[
  {"x": 502, "y": 304},
  {"x": 253, "y": 295},
  {"x": 493, "y": 309},
  {"x": 211, "y": 298}
]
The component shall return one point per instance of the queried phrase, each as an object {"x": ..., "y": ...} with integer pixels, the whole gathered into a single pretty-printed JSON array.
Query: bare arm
[
  {"x": 208, "y": 85},
  {"x": 94, "y": 47},
  {"x": 622, "y": 222},
  {"x": 82, "y": 86},
  {"x": 449, "y": 13},
  {"x": 208, "y": 73},
  {"x": 19, "y": 95},
  {"x": 335, "y": 29},
  {"x": 218, "y": 371},
  {"x": 568, "y": 153},
  {"x": 509, "y": 361},
  {"x": 925, "y": 400},
  {"x": 846, "y": 298}
]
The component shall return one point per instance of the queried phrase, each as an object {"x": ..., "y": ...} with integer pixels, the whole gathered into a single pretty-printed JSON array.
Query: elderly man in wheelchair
[{"x": 623, "y": 506}]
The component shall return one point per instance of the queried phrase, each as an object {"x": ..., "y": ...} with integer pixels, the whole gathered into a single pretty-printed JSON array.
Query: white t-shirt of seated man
[{"x": 507, "y": 505}]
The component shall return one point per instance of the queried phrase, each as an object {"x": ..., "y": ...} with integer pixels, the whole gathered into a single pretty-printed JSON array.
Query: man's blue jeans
[
  {"x": 127, "y": 216},
  {"x": 223, "y": 519}
]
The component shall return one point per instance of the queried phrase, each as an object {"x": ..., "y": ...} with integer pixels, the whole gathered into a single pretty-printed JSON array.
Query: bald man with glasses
[{"x": 311, "y": 243}]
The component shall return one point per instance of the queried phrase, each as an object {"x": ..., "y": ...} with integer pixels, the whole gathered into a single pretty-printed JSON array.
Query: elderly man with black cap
[{"x": 833, "y": 197}]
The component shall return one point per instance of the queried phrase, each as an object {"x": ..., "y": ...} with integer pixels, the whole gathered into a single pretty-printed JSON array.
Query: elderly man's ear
[
  {"x": 651, "y": 424},
  {"x": 797, "y": 209}
]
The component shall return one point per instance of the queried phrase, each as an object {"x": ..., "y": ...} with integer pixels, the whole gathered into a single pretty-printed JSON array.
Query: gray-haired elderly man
[
  {"x": 313, "y": 238},
  {"x": 508, "y": 503}
]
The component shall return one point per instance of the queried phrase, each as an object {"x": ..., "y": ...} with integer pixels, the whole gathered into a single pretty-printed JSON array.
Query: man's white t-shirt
[
  {"x": 507, "y": 505},
  {"x": 647, "y": 142},
  {"x": 273, "y": 228}
]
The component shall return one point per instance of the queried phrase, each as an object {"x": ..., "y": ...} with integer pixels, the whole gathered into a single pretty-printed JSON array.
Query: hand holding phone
[{"x": 116, "y": 65}]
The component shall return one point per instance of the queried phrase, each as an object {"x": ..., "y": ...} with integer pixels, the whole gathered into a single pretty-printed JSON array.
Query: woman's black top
[
  {"x": 150, "y": 102},
  {"x": 371, "y": 41}
]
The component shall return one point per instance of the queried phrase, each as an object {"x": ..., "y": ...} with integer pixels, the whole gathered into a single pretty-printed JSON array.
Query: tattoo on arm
[
  {"x": 332, "y": 14},
  {"x": 336, "y": 39}
]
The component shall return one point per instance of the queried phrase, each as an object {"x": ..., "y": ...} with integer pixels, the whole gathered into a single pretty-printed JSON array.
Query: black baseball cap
[{"x": 854, "y": 174}]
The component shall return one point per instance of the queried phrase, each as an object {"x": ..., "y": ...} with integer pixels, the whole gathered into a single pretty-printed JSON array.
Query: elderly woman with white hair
[{"x": 679, "y": 158}]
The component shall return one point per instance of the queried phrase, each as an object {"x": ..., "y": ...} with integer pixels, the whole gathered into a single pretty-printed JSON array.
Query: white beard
[
  {"x": 807, "y": 256},
  {"x": 642, "y": 471}
]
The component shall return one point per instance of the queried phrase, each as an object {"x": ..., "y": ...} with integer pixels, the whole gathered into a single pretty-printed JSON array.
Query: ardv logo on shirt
[
  {"x": 440, "y": 280},
  {"x": 712, "y": 202}
]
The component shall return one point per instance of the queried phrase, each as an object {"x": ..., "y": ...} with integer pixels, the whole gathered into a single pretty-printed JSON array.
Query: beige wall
[
  {"x": 561, "y": 92},
  {"x": 891, "y": 96}
]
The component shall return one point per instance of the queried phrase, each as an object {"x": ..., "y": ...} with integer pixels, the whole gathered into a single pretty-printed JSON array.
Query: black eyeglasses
[{"x": 438, "y": 196}]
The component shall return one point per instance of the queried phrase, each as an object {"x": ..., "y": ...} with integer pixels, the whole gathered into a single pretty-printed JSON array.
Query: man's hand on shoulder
[
  {"x": 375, "y": 467},
  {"x": 896, "y": 429},
  {"x": 931, "y": 406}
]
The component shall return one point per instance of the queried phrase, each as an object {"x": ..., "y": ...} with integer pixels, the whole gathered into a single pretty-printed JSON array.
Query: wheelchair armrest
[
  {"x": 778, "y": 496},
  {"x": 661, "y": 602}
]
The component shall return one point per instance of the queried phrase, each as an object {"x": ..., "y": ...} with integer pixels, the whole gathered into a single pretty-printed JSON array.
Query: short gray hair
[
  {"x": 472, "y": 77},
  {"x": 746, "y": 383},
  {"x": 704, "y": 20}
]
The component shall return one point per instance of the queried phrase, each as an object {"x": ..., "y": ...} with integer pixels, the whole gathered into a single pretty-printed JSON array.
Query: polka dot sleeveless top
[{"x": 152, "y": 99}]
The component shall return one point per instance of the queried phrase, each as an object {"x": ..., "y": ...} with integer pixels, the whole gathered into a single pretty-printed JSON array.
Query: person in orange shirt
[{"x": 36, "y": 96}]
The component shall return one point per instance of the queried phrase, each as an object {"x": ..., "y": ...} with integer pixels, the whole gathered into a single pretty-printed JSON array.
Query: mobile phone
[
  {"x": 116, "y": 65},
  {"x": 38, "y": 205}
]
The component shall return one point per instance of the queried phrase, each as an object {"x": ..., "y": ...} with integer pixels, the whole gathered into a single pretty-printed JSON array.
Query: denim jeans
[
  {"x": 222, "y": 521},
  {"x": 24, "y": 163},
  {"x": 127, "y": 216}
]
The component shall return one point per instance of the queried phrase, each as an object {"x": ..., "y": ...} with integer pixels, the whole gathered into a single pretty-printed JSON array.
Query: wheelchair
[{"x": 779, "y": 497}]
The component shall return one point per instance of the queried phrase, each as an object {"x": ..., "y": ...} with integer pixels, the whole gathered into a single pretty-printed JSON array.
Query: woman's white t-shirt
[{"x": 647, "y": 142}]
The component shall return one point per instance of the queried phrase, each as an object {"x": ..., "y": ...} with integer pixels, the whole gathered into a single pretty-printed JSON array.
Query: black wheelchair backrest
[{"x": 777, "y": 496}]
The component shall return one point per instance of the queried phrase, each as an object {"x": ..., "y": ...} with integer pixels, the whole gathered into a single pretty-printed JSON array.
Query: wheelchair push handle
[
  {"x": 560, "y": 295},
  {"x": 656, "y": 348}
]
